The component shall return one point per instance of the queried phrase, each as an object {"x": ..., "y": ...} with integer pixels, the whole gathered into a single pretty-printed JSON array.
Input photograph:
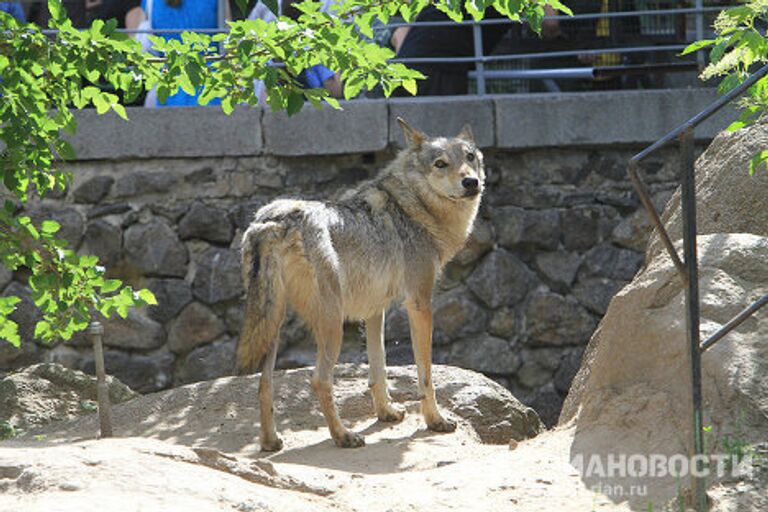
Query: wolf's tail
[{"x": 265, "y": 301}]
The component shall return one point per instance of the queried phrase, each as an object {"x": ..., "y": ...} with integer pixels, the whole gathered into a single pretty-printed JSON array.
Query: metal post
[
  {"x": 94, "y": 331},
  {"x": 734, "y": 322},
  {"x": 479, "y": 66},
  {"x": 688, "y": 180},
  {"x": 700, "y": 31}
]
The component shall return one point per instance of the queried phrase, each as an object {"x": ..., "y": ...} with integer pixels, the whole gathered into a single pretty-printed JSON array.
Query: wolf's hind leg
[
  {"x": 329, "y": 337},
  {"x": 270, "y": 442},
  {"x": 420, "y": 319},
  {"x": 377, "y": 377}
]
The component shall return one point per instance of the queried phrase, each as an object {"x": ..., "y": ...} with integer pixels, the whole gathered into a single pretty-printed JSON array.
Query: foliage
[
  {"x": 42, "y": 77},
  {"x": 739, "y": 45},
  {"x": 7, "y": 431}
]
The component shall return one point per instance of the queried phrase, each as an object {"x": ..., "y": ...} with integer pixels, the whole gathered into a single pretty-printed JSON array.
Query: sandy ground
[
  {"x": 195, "y": 448},
  {"x": 403, "y": 467},
  {"x": 412, "y": 469}
]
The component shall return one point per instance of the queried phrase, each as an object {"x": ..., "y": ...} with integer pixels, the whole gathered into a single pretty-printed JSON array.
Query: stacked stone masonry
[{"x": 559, "y": 233}]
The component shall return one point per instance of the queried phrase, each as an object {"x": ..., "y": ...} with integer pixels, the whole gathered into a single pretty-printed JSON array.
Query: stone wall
[{"x": 560, "y": 231}]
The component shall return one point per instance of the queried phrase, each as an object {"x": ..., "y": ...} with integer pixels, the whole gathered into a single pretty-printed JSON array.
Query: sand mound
[
  {"x": 42, "y": 393},
  {"x": 196, "y": 448}
]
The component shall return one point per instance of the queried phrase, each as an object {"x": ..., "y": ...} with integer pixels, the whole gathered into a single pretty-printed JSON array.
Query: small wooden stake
[{"x": 95, "y": 330}]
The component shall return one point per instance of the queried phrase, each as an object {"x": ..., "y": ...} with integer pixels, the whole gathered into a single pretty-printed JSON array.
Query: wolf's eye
[
  {"x": 470, "y": 157},
  {"x": 440, "y": 164}
]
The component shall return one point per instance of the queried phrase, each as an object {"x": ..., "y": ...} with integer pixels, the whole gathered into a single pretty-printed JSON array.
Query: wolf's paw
[
  {"x": 272, "y": 445},
  {"x": 392, "y": 413},
  {"x": 442, "y": 425},
  {"x": 349, "y": 440}
]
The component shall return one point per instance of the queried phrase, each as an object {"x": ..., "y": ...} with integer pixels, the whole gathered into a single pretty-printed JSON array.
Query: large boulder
[
  {"x": 42, "y": 393},
  {"x": 729, "y": 201},
  {"x": 632, "y": 393}
]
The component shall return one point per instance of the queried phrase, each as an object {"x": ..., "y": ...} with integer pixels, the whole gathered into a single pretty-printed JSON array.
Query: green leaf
[
  {"x": 333, "y": 102},
  {"x": 110, "y": 285},
  {"x": 243, "y": 6},
  {"x": 101, "y": 103},
  {"x": 534, "y": 14},
  {"x": 410, "y": 86},
  {"x": 49, "y": 227},
  {"x": 760, "y": 159},
  {"x": 147, "y": 296},
  {"x": 295, "y": 102},
  {"x": 476, "y": 8},
  {"x": 698, "y": 45},
  {"x": 226, "y": 105},
  {"x": 42, "y": 329},
  {"x": 120, "y": 110},
  {"x": 58, "y": 13},
  {"x": 717, "y": 52},
  {"x": 88, "y": 260},
  {"x": 9, "y": 331},
  {"x": 65, "y": 149},
  {"x": 272, "y": 6}
]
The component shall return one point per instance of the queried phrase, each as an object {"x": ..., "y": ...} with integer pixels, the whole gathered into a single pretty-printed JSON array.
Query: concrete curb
[{"x": 505, "y": 122}]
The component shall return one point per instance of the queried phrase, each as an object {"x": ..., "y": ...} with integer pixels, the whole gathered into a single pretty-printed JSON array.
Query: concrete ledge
[
  {"x": 508, "y": 122},
  {"x": 168, "y": 133},
  {"x": 443, "y": 116},
  {"x": 615, "y": 117},
  {"x": 360, "y": 128}
]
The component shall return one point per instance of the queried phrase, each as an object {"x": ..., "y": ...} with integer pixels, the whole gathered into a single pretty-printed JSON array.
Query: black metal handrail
[{"x": 688, "y": 267}]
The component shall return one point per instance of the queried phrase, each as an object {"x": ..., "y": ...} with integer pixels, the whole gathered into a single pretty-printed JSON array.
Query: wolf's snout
[{"x": 469, "y": 183}]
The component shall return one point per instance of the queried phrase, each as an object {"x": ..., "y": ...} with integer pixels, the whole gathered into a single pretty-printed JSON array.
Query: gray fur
[{"x": 384, "y": 241}]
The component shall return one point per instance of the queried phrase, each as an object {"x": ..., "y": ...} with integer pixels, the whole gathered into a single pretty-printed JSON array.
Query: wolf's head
[{"x": 452, "y": 167}]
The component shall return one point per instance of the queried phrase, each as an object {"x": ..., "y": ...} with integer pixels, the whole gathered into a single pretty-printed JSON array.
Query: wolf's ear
[
  {"x": 413, "y": 137},
  {"x": 466, "y": 134}
]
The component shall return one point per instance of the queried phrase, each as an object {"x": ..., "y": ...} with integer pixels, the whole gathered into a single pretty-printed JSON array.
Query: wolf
[{"x": 348, "y": 259}]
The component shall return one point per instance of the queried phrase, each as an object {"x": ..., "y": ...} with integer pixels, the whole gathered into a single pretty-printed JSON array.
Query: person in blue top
[
  {"x": 178, "y": 14},
  {"x": 14, "y": 9},
  {"x": 317, "y": 76}
]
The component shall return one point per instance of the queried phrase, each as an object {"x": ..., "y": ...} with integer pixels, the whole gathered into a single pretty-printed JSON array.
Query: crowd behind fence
[{"x": 606, "y": 44}]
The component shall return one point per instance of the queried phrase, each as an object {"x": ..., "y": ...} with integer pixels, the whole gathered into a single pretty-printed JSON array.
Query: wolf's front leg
[
  {"x": 420, "y": 319},
  {"x": 377, "y": 368}
]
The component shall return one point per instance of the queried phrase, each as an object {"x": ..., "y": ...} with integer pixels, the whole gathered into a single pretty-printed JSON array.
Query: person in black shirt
[
  {"x": 445, "y": 78},
  {"x": 450, "y": 78},
  {"x": 116, "y": 9}
]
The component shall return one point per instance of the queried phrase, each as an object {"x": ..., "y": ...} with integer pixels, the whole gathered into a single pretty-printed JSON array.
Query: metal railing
[
  {"x": 479, "y": 59},
  {"x": 482, "y": 61},
  {"x": 688, "y": 268}
]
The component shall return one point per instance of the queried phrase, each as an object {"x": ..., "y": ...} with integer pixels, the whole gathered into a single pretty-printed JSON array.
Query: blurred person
[
  {"x": 317, "y": 76},
  {"x": 80, "y": 12},
  {"x": 117, "y": 9},
  {"x": 446, "y": 41},
  {"x": 314, "y": 77},
  {"x": 14, "y": 9},
  {"x": 177, "y": 14}
]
